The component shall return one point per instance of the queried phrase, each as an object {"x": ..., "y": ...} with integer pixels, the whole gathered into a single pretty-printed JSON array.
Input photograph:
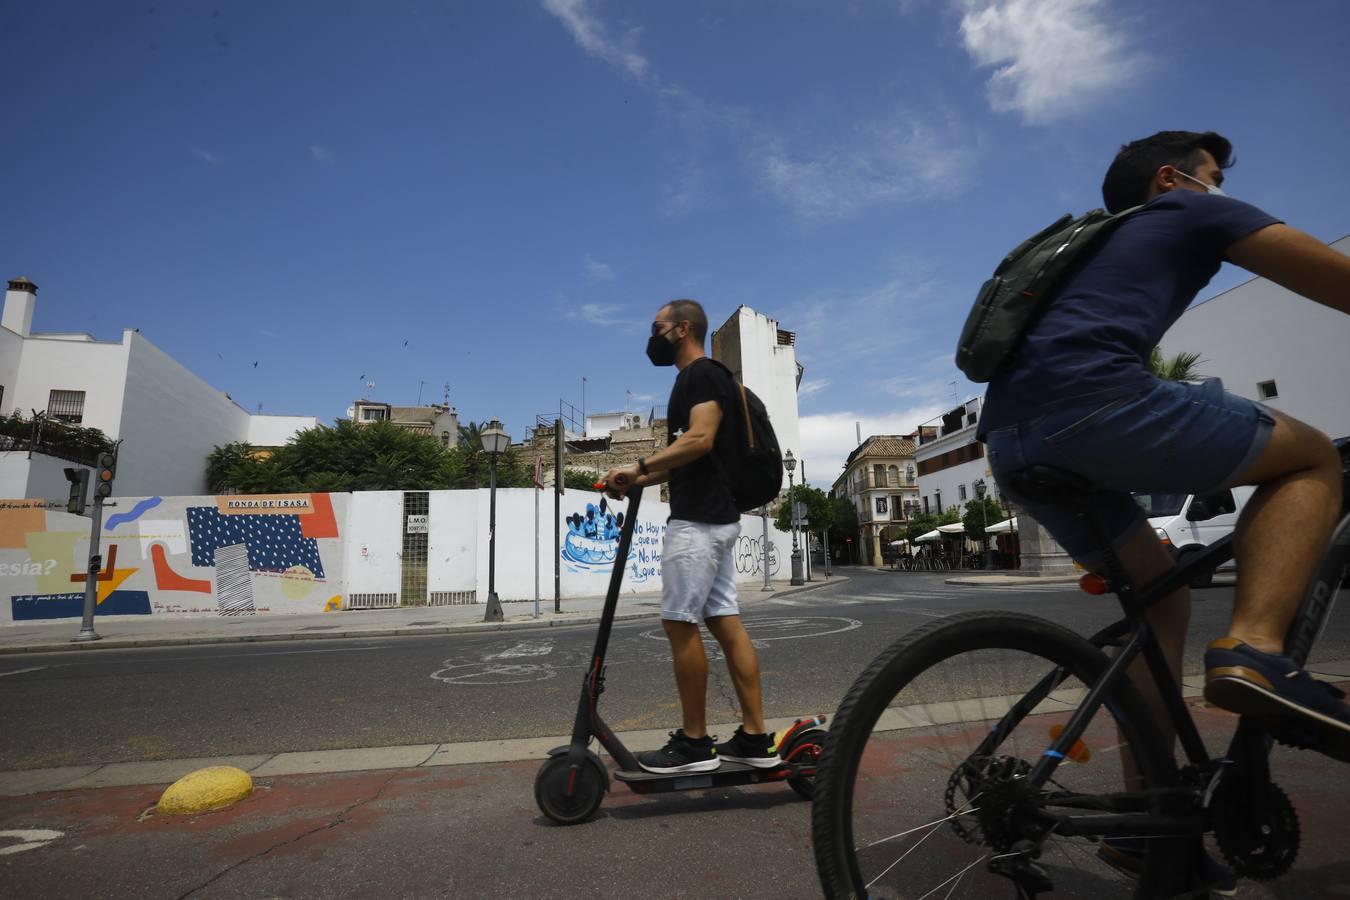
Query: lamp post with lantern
[
  {"x": 790, "y": 463},
  {"x": 495, "y": 441}
]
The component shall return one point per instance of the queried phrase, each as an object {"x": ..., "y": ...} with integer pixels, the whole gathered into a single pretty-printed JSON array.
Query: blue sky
[{"x": 513, "y": 188}]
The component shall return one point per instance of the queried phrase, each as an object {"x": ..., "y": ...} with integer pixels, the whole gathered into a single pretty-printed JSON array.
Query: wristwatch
[{"x": 642, "y": 466}]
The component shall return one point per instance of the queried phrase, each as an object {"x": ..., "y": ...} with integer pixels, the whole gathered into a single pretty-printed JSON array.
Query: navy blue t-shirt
[{"x": 1093, "y": 340}]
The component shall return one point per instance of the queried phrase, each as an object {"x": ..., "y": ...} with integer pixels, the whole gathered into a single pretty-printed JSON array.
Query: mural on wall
[
  {"x": 230, "y": 556},
  {"x": 592, "y": 543}
]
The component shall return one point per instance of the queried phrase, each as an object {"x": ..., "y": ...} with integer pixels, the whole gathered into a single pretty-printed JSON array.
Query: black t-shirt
[{"x": 699, "y": 491}]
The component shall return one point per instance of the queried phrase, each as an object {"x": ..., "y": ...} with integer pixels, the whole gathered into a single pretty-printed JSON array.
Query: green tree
[
  {"x": 377, "y": 456},
  {"x": 948, "y": 517},
  {"x": 579, "y": 481},
  {"x": 222, "y": 461},
  {"x": 978, "y": 515},
  {"x": 471, "y": 434},
  {"x": 1182, "y": 367},
  {"x": 820, "y": 511},
  {"x": 920, "y": 525}
]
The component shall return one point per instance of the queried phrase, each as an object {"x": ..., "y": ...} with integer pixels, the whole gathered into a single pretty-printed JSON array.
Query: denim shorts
[
  {"x": 1175, "y": 437},
  {"x": 698, "y": 571}
]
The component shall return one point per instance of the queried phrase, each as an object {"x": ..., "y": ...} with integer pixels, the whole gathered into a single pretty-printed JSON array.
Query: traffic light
[
  {"x": 107, "y": 468},
  {"x": 79, "y": 487}
]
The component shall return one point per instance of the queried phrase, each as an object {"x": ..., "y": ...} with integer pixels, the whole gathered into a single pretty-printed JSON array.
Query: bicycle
[{"x": 1020, "y": 803}]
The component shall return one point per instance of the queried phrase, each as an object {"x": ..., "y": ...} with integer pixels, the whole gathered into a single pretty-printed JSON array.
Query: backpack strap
[{"x": 745, "y": 401}]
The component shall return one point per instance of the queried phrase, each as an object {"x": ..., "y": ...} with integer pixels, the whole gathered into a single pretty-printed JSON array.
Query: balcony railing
[{"x": 868, "y": 481}]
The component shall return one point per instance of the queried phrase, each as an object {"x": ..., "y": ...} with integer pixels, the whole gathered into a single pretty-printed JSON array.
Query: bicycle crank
[{"x": 1256, "y": 827}]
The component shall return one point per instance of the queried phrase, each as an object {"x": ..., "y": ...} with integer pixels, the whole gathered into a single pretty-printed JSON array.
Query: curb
[{"x": 466, "y": 628}]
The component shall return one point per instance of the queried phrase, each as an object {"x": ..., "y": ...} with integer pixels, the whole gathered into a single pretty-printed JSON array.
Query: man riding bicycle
[{"x": 1078, "y": 395}]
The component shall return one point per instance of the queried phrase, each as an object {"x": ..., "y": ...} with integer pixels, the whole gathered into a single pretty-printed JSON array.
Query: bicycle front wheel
[{"x": 917, "y": 794}]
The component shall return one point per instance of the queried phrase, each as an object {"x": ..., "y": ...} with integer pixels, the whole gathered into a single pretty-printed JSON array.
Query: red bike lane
[{"x": 474, "y": 830}]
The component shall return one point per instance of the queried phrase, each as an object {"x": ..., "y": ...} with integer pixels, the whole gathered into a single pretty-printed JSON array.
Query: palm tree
[
  {"x": 471, "y": 435},
  {"x": 1182, "y": 367}
]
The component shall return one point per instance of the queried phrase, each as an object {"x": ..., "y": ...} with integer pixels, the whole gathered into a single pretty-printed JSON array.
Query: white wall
[
  {"x": 452, "y": 538},
  {"x": 948, "y": 482},
  {"x": 11, "y": 352},
  {"x": 373, "y": 545},
  {"x": 171, "y": 420},
  {"x": 275, "y": 431},
  {"x": 1258, "y": 332},
  {"x": 97, "y": 368},
  {"x": 42, "y": 477}
]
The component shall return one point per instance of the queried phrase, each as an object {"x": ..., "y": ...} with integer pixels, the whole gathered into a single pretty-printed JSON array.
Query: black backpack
[
  {"x": 756, "y": 475},
  {"x": 1010, "y": 300}
]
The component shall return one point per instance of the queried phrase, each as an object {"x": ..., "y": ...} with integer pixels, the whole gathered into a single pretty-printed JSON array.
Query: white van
[{"x": 1189, "y": 523}]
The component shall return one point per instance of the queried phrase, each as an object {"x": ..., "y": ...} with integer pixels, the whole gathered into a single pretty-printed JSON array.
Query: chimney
[{"x": 19, "y": 302}]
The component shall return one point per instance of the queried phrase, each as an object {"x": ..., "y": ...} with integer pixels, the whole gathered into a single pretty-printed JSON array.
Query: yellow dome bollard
[{"x": 205, "y": 789}]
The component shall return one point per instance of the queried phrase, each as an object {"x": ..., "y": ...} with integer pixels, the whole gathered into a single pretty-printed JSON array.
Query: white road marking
[
  {"x": 30, "y": 839},
  {"x": 21, "y": 671},
  {"x": 524, "y": 648}
]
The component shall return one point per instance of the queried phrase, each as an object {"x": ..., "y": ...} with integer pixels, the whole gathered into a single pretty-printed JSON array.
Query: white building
[
  {"x": 764, "y": 357},
  {"x": 951, "y": 461},
  {"x": 168, "y": 419},
  {"x": 600, "y": 424},
  {"x": 1272, "y": 345}
]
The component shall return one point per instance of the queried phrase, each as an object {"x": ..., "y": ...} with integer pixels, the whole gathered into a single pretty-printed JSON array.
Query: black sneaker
[
  {"x": 1126, "y": 855},
  {"x": 1246, "y": 681},
  {"x": 756, "y": 750},
  {"x": 681, "y": 754}
]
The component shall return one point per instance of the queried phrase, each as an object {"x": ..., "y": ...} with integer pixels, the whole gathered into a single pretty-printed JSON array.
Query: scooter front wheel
[
  {"x": 569, "y": 795},
  {"x": 804, "y": 749}
]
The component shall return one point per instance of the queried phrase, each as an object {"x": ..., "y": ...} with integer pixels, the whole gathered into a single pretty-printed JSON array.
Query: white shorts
[{"x": 698, "y": 571}]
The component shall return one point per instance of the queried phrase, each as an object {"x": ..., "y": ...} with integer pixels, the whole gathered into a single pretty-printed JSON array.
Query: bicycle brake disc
[{"x": 1256, "y": 828}]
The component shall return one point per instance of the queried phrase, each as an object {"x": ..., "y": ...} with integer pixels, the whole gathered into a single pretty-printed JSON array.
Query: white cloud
[
  {"x": 207, "y": 156},
  {"x": 828, "y": 439},
  {"x": 598, "y": 313},
  {"x": 811, "y": 387},
  {"x": 599, "y": 271},
  {"x": 896, "y": 160},
  {"x": 1051, "y": 58},
  {"x": 322, "y": 155},
  {"x": 593, "y": 36}
]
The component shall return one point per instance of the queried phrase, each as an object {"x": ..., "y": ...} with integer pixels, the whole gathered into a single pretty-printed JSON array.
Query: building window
[
  {"x": 67, "y": 406},
  {"x": 925, "y": 504},
  {"x": 893, "y": 477},
  {"x": 1267, "y": 390},
  {"x": 961, "y": 492},
  {"x": 937, "y": 502},
  {"x": 445, "y": 439},
  {"x": 372, "y": 415},
  {"x": 882, "y": 506},
  {"x": 879, "y": 475}
]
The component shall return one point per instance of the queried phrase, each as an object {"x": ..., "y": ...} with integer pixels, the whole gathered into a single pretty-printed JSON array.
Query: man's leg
[
  {"x": 691, "y": 674},
  {"x": 743, "y": 663},
  {"x": 1284, "y": 530}
]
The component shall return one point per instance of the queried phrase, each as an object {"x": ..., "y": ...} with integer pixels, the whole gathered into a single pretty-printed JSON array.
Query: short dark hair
[
  {"x": 1126, "y": 183},
  {"x": 690, "y": 311}
]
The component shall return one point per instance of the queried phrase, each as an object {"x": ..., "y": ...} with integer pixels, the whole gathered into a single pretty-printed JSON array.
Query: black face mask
[{"x": 661, "y": 351}]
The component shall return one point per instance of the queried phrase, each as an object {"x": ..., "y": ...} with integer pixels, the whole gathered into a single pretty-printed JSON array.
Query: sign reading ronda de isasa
[{"x": 265, "y": 504}]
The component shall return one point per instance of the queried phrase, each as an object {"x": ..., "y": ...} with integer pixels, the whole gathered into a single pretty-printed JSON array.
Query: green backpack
[{"x": 1009, "y": 302}]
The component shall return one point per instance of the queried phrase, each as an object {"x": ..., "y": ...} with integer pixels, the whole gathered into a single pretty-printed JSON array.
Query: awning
[
  {"x": 930, "y": 536},
  {"x": 1003, "y": 527},
  {"x": 954, "y": 528},
  {"x": 900, "y": 543}
]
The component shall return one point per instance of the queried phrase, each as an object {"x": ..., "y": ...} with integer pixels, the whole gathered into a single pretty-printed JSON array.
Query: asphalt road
[{"x": 165, "y": 703}]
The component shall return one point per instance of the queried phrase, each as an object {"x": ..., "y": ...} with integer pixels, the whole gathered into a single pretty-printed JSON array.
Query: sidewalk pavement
[{"x": 168, "y": 630}]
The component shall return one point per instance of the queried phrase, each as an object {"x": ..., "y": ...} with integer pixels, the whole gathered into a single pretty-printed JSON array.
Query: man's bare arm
[{"x": 1297, "y": 261}]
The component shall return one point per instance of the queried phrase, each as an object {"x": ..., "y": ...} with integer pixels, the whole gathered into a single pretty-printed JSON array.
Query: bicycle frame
[{"x": 1249, "y": 749}]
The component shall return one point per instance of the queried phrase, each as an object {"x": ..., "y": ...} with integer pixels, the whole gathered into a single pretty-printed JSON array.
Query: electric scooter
[{"x": 572, "y": 782}]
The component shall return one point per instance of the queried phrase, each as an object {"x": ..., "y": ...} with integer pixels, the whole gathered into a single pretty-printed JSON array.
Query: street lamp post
[
  {"x": 495, "y": 442},
  {"x": 764, "y": 520},
  {"x": 980, "y": 488},
  {"x": 790, "y": 463}
]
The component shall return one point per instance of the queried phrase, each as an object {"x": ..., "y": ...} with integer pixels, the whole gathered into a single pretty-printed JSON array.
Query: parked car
[{"x": 1188, "y": 522}]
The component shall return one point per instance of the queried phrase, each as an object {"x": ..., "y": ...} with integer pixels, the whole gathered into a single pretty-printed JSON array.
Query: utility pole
[{"x": 104, "y": 474}]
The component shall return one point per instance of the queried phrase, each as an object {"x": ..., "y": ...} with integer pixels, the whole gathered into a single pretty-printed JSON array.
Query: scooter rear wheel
[
  {"x": 568, "y": 797},
  {"x": 811, "y": 742}
]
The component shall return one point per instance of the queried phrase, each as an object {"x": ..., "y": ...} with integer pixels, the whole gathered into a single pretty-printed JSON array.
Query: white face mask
[{"x": 1211, "y": 188}]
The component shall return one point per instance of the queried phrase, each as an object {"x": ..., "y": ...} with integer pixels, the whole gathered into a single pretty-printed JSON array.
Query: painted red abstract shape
[
  {"x": 107, "y": 572},
  {"x": 166, "y": 579},
  {"x": 321, "y": 523}
]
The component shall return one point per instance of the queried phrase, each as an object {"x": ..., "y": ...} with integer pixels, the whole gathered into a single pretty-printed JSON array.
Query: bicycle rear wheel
[{"x": 911, "y": 799}]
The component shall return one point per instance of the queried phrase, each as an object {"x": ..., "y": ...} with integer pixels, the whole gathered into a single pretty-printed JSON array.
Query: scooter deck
[{"x": 729, "y": 773}]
